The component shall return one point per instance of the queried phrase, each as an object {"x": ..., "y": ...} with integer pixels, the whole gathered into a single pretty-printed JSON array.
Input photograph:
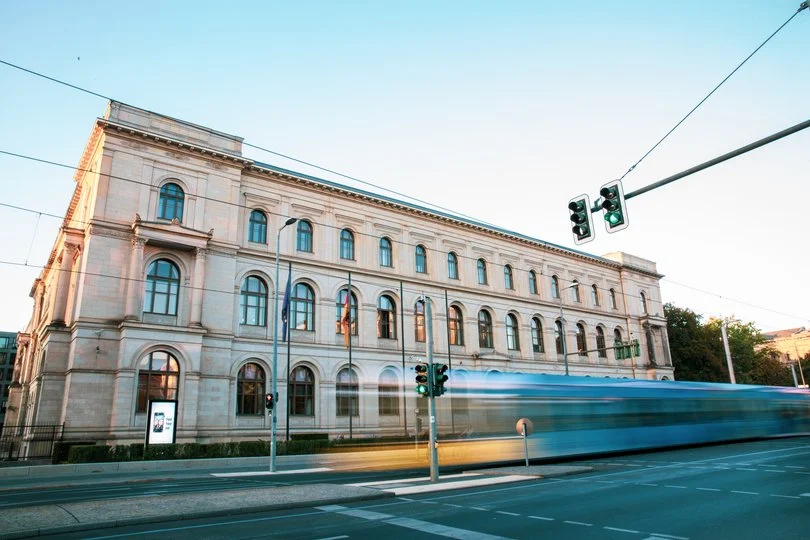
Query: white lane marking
[
  {"x": 429, "y": 488},
  {"x": 650, "y": 485},
  {"x": 478, "y": 508},
  {"x": 708, "y": 489},
  {"x": 744, "y": 469},
  {"x": 334, "y": 537},
  {"x": 745, "y": 492},
  {"x": 542, "y": 518},
  {"x": 773, "y": 470},
  {"x": 675, "y": 487},
  {"x": 268, "y": 473},
  {"x": 805, "y": 495},
  {"x": 631, "y": 531},
  {"x": 794, "y": 466},
  {"x": 785, "y": 496},
  {"x": 660, "y": 535},
  {"x": 453, "y": 505},
  {"x": 406, "y": 480},
  {"x": 506, "y": 513},
  {"x": 579, "y": 523},
  {"x": 440, "y": 530}
]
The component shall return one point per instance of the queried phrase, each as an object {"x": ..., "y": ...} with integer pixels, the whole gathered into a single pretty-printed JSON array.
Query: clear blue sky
[{"x": 499, "y": 110}]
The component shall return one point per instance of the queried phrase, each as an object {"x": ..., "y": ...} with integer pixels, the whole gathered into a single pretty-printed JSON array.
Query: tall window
[
  {"x": 617, "y": 337},
  {"x": 346, "y": 244},
  {"x": 250, "y": 389},
  {"x": 648, "y": 337},
  {"x": 258, "y": 227},
  {"x": 508, "y": 281},
  {"x": 254, "y": 301},
  {"x": 452, "y": 266},
  {"x": 303, "y": 308},
  {"x": 455, "y": 325},
  {"x": 532, "y": 282},
  {"x": 419, "y": 321},
  {"x": 170, "y": 205},
  {"x": 613, "y": 298},
  {"x": 600, "y": 342},
  {"x": 512, "y": 337},
  {"x": 386, "y": 318},
  {"x": 162, "y": 287},
  {"x": 582, "y": 346},
  {"x": 339, "y": 305},
  {"x": 301, "y": 390},
  {"x": 484, "y": 329},
  {"x": 558, "y": 336},
  {"x": 303, "y": 236},
  {"x": 643, "y": 299},
  {"x": 421, "y": 260},
  {"x": 388, "y": 393},
  {"x": 594, "y": 295},
  {"x": 158, "y": 375},
  {"x": 537, "y": 335},
  {"x": 386, "y": 255},
  {"x": 346, "y": 393},
  {"x": 555, "y": 287},
  {"x": 575, "y": 288},
  {"x": 482, "y": 272}
]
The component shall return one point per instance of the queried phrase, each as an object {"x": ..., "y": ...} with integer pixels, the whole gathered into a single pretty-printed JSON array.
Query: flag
[
  {"x": 285, "y": 309},
  {"x": 346, "y": 319}
]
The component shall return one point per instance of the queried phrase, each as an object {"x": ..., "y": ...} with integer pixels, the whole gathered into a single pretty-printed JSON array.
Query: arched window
[
  {"x": 303, "y": 237},
  {"x": 162, "y": 287},
  {"x": 582, "y": 345},
  {"x": 254, "y": 302},
  {"x": 613, "y": 299},
  {"x": 258, "y": 227},
  {"x": 617, "y": 341},
  {"x": 421, "y": 260},
  {"x": 339, "y": 306},
  {"x": 595, "y": 295},
  {"x": 386, "y": 318},
  {"x": 388, "y": 393},
  {"x": 170, "y": 205},
  {"x": 484, "y": 329},
  {"x": 558, "y": 336},
  {"x": 346, "y": 244},
  {"x": 648, "y": 337},
  {"x": 303, "y": 307},
  {"x": 419, "y": 321},
  {"x": 455, "y": 325},
  {"x": 253, "y": 305},
  {"x": 537, "y": 335},
  {"x": 643, "y": 299},
  {"x": 575, "y": 288},
  {"x": 250, "y": 389},
  {"x": 532, "y": 282},
  {"x": 452, "y": 266},
  {"x": 508, "y": 281},
  {"x": 301, "y": 389},
  {"x": 346, "y": 393},
  {"x": 512, "y": 336},
  {"x": 158, "y": 376},
  {"x": 386, "y": 254},
  {"x": 555, "y": 287},
  {"x": 482, "y": 272},
  {"x": 600, "y": 342}
]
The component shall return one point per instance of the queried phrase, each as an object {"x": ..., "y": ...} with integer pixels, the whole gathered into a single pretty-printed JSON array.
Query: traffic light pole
[{"x": 434, "y": 451}]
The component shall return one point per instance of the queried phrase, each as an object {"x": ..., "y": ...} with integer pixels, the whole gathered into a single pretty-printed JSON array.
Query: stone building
[
  {"x": 161, "y": 283},
  {"x": 8, "y": 356}
]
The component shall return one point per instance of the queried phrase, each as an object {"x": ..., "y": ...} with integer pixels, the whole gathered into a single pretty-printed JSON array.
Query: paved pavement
[{"x": 79, "y": 516}]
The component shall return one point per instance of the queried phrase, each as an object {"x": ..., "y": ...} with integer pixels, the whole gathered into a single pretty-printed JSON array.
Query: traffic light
[
  {"x": 636, "y": 348},
  {"x": 268, "y": 402},
  {"x": 580, "y": 214},
  {"x": 439, "y": 378},
  {"x": 422, "y": 380},
  {"x": 614, "y": 207},
  {"x": 618, "y": 348}
]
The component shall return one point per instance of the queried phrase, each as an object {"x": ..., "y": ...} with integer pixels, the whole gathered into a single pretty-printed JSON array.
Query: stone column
[
  {"x": 135, "y": 280},
  {"x": 198, "y": 281},
  {"x": 63, "y": 283}
]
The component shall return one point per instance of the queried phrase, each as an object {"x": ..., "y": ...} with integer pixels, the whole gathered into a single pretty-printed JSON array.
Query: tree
[{"x": 693, "y": 356}]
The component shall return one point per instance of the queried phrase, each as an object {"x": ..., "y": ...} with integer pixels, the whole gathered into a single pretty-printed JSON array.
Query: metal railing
[{"x": 29, "y": 441}]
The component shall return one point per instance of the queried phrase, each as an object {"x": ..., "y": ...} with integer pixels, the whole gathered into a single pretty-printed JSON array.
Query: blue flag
[{"x": 285, "y": 310}]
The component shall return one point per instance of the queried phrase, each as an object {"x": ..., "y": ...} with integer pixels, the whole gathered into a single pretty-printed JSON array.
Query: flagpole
[
  {"x": 402, "y": 333},
  {"x": 288, "y": 336},
  {"x": 351, "y": 372}
]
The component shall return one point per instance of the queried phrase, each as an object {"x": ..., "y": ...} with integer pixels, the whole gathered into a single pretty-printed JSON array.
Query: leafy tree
[{"x": 693, "y": 356}]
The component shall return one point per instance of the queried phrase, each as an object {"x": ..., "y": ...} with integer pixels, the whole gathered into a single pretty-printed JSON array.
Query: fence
[{"x": 29, "y": 441}]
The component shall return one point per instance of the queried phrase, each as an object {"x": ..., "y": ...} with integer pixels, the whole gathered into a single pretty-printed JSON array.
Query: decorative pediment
[{"x": 171, "y": 233}]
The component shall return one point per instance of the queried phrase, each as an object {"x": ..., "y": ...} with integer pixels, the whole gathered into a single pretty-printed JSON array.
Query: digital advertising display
[{"x": 161, "y": 424}]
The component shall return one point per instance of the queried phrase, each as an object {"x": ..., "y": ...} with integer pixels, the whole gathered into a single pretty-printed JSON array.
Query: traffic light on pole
[
  {"x": 268, "y": 402},
  {"x": 612, "y": 195},
  {"x": 579, "y": 209},
  {"x": 422, "y": 380},
  {"x": 439, "y": 378}
]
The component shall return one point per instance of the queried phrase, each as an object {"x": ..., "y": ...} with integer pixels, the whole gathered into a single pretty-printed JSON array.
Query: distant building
[
  {"x": 792, "y": 343},
  {"x": 161, "y": 281},
  {"x": 8, "y": 354}
]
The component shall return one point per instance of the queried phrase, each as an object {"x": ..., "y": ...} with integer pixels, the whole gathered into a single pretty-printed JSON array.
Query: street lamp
[
  {"x": 562, "y": 325},
  {"x": 274, "y": 376}
]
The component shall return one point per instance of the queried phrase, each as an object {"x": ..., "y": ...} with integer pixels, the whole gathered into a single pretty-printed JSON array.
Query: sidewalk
[{"x": 71, "y": 517}]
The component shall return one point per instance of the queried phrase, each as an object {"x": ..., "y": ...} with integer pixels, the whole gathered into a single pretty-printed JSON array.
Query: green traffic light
[{"x": 614, "y": 218}]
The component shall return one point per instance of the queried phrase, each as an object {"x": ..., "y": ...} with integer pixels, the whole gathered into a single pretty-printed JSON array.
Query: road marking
[
  {"x": 708, "y": 489},
  {"x": 650, "y": 485},
  {"x": 675, "y": 487},
  {"x": 579, "y": 523},
  {"x": 478, "y": 508},
  {"x": 785, "y": 496},
  {"x": 631, "y": 531},
  {"x": 794, "y": 467},
  {"x": 453, "y": 505},
  {"x": 506, "y": 513},
  {"x": 542, "y": 518},
  {"x": 660, "y": 535},
  {"x": 429, "y": 488},
  {"x": 805, "y": 495},
  {"x": 268, "y": 473},
  {"x": 745, "y": 492},
  {"x": 334, "y": 537},
  {"x": 773, "y": 470},
  {"x": 410, "y": 480},
  {"x": 743, "y": 469}
]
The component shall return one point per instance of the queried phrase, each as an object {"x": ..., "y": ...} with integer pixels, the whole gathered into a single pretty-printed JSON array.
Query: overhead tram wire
[
  {"x": 257, "y": 147},
  {"x": 803, "y": 6}
]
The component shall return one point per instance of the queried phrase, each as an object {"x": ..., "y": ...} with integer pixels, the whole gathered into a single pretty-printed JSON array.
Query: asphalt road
[{"x": 757, "y": 490}]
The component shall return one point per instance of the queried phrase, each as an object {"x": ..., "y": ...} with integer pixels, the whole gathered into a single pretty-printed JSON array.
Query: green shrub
[
  {"x": 309, "y": 437},
  {"x": 135, "y": 451},
  {"x": 61, "y": 450},
  {"x": 160, "y": 452},
  {"x": 294, "y": 447},
  {"x": 189, "y": 451},
  {"x": 89, "y": 454},
  {"x": 253, "y": 448}
]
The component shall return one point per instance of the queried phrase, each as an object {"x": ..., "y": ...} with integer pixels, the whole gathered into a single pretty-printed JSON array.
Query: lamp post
[
  {"x": 274, "y": 375},
  {"x": 562, "y": 326}
]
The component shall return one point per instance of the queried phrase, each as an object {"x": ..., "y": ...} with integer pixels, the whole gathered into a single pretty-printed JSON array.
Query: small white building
[{"x": 161, "y": 282}]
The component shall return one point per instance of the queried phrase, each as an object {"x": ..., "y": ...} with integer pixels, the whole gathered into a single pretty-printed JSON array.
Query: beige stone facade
[{"x": 95, "y": 324}]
